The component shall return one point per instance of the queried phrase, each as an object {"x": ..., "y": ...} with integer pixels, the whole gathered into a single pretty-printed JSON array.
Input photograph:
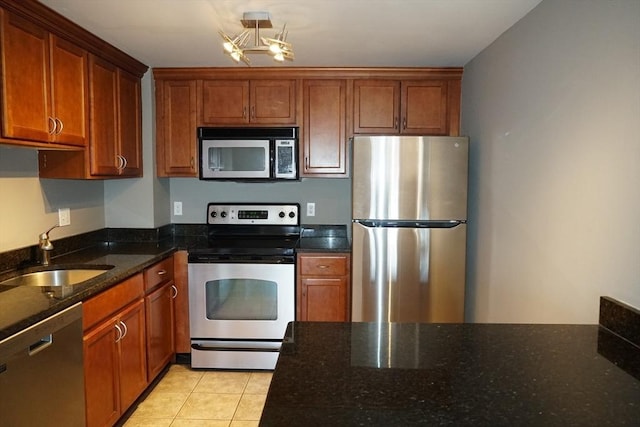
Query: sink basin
[{"x": 55, "y": 277}]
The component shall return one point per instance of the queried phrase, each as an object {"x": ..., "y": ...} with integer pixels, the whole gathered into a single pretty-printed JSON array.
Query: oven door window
[{"x": 241, "y": 299}]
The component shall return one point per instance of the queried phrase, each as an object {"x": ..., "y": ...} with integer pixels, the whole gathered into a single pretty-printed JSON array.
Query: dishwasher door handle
[{"x": 40, "y": 345}]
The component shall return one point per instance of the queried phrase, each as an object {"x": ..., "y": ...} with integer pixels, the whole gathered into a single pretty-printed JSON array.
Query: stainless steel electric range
[{"x": 242, "y": 286}]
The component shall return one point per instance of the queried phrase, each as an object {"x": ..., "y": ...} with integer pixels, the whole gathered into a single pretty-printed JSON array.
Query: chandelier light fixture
[{"x": 238, "y": 47}]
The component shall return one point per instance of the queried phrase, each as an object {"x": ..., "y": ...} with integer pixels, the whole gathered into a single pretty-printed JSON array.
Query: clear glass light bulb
[
  {"x": 235, "y": 55},
  {"x": 227, "y": 46},
  {"x": 279, "y": 57}
]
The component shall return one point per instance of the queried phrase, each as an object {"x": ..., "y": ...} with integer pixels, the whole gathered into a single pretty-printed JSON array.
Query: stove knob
[
  {"x": 214, "y": 214},
  {"x": 292, "y": 214},
  {"x": 281, "y": 214},
  {"x": 223, "y": 214}
]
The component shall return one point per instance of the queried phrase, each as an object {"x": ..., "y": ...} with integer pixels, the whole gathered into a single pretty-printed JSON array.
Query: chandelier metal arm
[{"x": 236, "y": 47}]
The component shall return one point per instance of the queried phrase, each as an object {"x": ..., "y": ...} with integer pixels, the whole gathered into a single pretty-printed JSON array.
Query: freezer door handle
[{"x": 409, "y": 224}]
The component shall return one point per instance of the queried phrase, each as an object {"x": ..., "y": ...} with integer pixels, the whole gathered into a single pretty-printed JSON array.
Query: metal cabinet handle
[
  {"x": 122, "y": 162},
  {"x": 404, "y": 123},
  {"x": 162, "y": 272},
  {"x": 323, "y": 266},
  {"x": 395, "y": 123},
  {"x": 120, "y": 336},
  {"x": 60, "y": 127},
  {"x": 192, "y": 163},
  {"x": 244, "y": 112},
  {"x": 124, "y": 326},
  {"x": 175, "y": 291},
  {"x": 253, "y": 111},
  {"x": 54, "y": 125}
]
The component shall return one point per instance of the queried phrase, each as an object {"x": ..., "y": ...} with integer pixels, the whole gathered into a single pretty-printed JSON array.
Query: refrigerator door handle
[{"x": 373, "y": 223}]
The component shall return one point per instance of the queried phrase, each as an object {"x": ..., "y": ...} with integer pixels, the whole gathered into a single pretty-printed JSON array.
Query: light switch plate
[{"x": 311, "y": 209}]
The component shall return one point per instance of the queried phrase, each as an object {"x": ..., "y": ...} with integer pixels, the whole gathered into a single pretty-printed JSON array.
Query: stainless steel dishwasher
[{"x": 41, "y": 373}]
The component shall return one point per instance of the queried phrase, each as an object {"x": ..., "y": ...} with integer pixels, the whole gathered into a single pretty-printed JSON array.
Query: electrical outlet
[
  {"x": 311, "y": 209},
  {"x": 64, "y": 216},
  {"x": 177, "y": 208}
]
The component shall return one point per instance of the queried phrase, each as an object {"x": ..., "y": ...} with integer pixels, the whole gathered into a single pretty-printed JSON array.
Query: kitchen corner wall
[
  {"x": 553, "y": 111},
  {"x": 140, "y": 202},
  {"x": 30, "y": 204}
]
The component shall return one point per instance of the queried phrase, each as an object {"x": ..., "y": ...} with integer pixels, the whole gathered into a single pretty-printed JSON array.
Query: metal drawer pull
[
  {"x": 162, "y": 272},
  {"x": 175, "y": 291}
]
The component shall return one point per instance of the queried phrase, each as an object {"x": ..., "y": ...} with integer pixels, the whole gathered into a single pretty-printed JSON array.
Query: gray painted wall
[
  {"x": 553, "y": 111},
  {"x": 331, "y": 196}
]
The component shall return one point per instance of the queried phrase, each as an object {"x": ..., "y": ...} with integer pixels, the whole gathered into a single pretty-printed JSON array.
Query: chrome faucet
[{"x": 46, "y": 246}]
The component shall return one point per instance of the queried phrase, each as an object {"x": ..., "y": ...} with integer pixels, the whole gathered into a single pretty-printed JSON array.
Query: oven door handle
[{"x": 225, "y": 348}]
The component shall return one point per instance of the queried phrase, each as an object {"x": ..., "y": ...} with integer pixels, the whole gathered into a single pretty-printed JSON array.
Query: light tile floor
[{"x": 186, "y": 397}]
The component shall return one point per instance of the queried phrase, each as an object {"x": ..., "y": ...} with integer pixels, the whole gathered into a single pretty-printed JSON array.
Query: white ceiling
[{"x": 359, "y": 33}]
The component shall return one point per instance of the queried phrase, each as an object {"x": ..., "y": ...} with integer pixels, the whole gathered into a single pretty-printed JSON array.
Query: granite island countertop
[{"x": 367, "y": 374}]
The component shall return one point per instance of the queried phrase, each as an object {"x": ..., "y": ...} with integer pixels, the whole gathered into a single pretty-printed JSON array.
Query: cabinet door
[
  {"x": 324, "y": 299},
  {"x": 176, "y": 103},
  {"x": 69, "y": 96},
  {"x": 103, "y": 84},
  {"x": 159, "y": 324},
  {"x": 225, "y": 102},
  {"x": 181, "y": 303},
  {"x": 102, "y": 395},
  {"x": 376, "y": 106},
  {"x": 324, "y": 146},
  {"x": 424, "y": 108},
  {"x": 129, "y": 130},
  {"x": 323, "y": 287},
  {"x": 25, "y": 80},
  {"x": 273, "y": 101},
  {"x": 133, "y": 361}
]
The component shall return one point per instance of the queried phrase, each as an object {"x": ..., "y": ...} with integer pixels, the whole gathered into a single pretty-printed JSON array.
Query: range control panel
[{"x": 248, "y": 214}]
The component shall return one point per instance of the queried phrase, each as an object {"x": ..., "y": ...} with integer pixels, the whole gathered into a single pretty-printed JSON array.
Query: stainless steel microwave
[{"x": 248, "y": 154}]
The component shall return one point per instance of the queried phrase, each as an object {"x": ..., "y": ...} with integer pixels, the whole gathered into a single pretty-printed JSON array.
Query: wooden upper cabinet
[
  {"x": 44, "y": 85},
  {"x": 412, "y": 107},
  {"x": 129, "y": 123},
  {"x": 376, "y": 107},
  {"x": 116, "y": 144},
  {"x": 232, "y": 102},
  {"x": 103, "y": 78},
  {"x": 324, "y": 130},
  {"x": 176, "y": 139}
]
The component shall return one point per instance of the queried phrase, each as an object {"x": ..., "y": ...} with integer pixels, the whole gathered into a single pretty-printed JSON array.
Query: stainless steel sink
[{"x": 56, "y": 277}]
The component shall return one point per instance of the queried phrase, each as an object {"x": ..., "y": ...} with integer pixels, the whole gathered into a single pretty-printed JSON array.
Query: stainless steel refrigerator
[{"x": 409, "y": 228}]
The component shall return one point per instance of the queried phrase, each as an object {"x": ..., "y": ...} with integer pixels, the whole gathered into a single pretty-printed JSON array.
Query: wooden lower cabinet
[
  {"x": 159, "y": 321},
  {"x": 128, "y": 340},
  {"x": 115, "y": 367},
  {"x": 324, "y": 287},
  {"x": 181, "y": 302}
]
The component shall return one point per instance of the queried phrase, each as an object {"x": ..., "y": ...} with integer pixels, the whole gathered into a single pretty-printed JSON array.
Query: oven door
[{"x": 238, "y": 313}]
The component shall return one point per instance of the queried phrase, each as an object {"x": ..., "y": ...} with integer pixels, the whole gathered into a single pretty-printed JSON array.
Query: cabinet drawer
[
  {"x": 158, "y": 273},
  {"x": 113, "y": 299},
  {"x": 337, "y": 265}
]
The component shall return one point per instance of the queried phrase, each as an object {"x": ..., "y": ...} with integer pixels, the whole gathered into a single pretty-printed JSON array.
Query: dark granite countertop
[
  {"x": 365, "y": 374},
  {"x": 23, "y": 306},
  {"x": 324, "y": 238}
]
